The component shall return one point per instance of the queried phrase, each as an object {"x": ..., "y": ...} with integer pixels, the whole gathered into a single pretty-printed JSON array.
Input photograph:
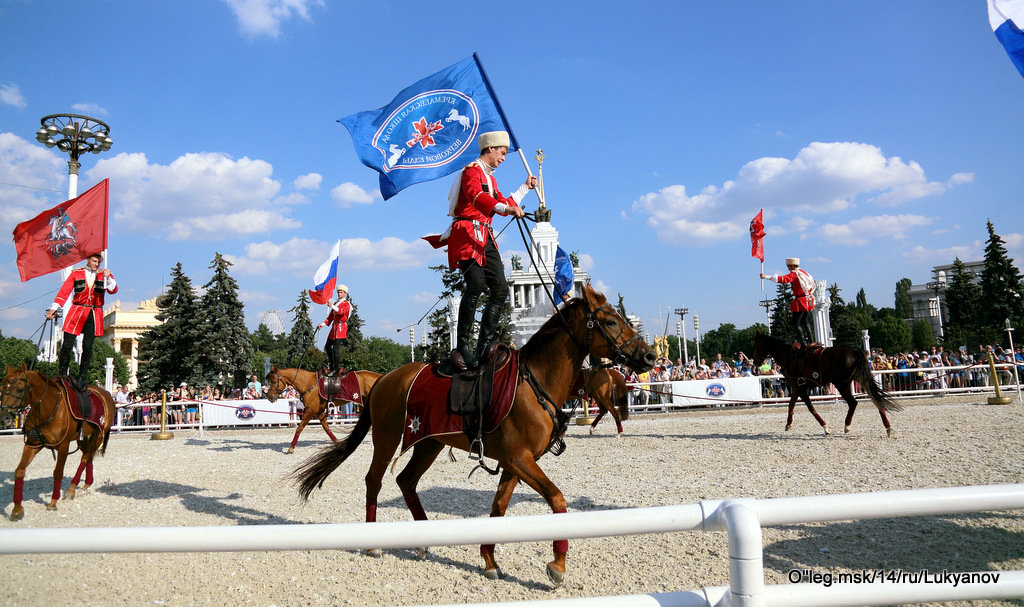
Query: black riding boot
[
  {"x": 488, "y": 331},
  {"x": 462, "y": 358}
]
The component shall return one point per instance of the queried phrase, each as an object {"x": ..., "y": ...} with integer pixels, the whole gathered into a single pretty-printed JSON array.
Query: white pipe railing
[{"x": 742, "y": 519}]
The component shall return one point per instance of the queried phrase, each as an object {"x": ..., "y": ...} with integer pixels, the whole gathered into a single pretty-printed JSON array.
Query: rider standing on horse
[
  {"x": 86, "y": 287},
  {"x": 802, "y": 304},
  {"x": 337, "y": 335},
  {"x": 471, "y": 244}
]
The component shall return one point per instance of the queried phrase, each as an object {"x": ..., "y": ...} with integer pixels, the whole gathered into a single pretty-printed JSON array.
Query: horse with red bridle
[
  {"x": 54, "y": 421},
  {"x": 307, "y": 383},
  {"x": 839, "y": 365},
  {"x": 547, "y": 365}
]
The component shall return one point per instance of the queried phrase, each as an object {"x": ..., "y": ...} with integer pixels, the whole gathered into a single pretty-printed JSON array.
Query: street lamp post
[
  {"x": 682, "y": 312},
  {"x": 768, "y": 304},
  {"x": 939, "y": 285},
  {"x": 696, "y": 330},
  {"x": 74, "y": 134},
  {"x": 412, "y": 344}
]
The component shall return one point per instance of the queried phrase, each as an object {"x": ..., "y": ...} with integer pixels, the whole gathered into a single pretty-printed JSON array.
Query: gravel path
[{"x": 237, "y": 478}]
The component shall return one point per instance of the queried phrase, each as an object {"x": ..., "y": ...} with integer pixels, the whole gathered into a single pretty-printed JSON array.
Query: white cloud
[
  {"x": 303, "y": 255},
  {"x": 264, "y": 17},
  {"x": 927, "y": 255},
  {"x": 349, "y": 193},
  {"x": 862, "y": 230},
  {"x": 11, "y": 95},
  {"x": 822, "y": 178},
  {"x": 217, "y": 196},
  {"x": 89, "y": 108},
  {"x": 308, "y": 182},
  {"x": 35, "y": 174}
]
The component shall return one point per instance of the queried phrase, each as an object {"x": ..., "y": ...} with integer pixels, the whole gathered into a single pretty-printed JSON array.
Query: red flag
[
  {"x": 64, "y": 235},
  {"x": 757, "y": 236}
]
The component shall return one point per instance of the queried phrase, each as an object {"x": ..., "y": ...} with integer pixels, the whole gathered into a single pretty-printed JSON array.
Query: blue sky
[{"x": 877, "y": 136}]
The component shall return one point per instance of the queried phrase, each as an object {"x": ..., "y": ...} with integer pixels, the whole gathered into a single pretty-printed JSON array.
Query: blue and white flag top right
[{"x": 1007, "y": 19}]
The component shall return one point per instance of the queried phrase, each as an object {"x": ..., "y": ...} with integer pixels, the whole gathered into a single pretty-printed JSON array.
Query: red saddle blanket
[
  {"x": 426, "y": 409},
  {"x": 98, "y": 414},
  {"x": 579, "y": 387},
  {"x": 346, "y": 387}
]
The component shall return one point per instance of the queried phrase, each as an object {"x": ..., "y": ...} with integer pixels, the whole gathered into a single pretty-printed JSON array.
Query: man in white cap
[
  {"x": 803, "y": 298},
  {"x": 474, "y": 199},
  {"x": 337, "y": 335}
]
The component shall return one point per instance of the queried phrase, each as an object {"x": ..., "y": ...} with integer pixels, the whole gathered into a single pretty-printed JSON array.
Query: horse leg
[
  {"x": 792, "y": 405},
  {"x": 615, "y": 416},
  {"x": 326, "y": 426},
  {"x": 85, "y": 465},
  {"x": 526, "y": 468},
  {"x": 805, "y": 395},
  {"x": 58, "y": 475},
  {"x": 423, "y": 455},
  {"x": 600, "y": 413},
  {"x": 387, "y": 433},
  {"x": 502, "y": 497},
  {"x": 307, "y": 414},
  {"x": 847, "y": 395},
  {"x": 27, "y": 454}
]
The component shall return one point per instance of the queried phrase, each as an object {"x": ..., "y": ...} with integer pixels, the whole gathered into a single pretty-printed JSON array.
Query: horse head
[
  {"x": 608, "y": 335},
  {"x": 275, "y": 385},
  {"x": 14, "y": 395}
]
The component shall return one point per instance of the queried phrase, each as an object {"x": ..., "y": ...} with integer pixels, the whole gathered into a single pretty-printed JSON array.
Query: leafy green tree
[
  {"x": 168, "y": 352},
  {"x": 848, "y": 324},
  {"x": 782, "y": 326},
  {"x": 15, "y": 352},
  {"x": 921, "y": 335},
  {"x": 963, "y": 297},
  {"x": 891, "y": 334},
  {"x": 904, "y": 307},
  {"x": 381, "y": 354},
  {"x": 300, "y": 349},
  {"x": 224, "y": 344},
  {"x": 97, "y": 375},
  {"x": 440, "y": 325},
  {"x": 1002, "y": 290}
]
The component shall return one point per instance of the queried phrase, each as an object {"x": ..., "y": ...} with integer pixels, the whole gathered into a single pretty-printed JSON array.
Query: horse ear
[{"x": 592, "y": 297}]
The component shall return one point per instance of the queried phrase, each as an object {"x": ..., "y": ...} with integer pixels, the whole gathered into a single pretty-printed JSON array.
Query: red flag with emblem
[
  {"x": 64, "y": 235},
  {"x": 757, "y": 236}
]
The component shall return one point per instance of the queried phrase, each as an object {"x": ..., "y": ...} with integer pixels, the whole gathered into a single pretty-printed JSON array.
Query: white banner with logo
[
  {"x": 246, "y": 412},
  {"x": 726, "y": 391}
]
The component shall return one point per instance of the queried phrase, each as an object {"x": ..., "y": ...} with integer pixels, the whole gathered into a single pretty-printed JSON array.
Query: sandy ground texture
[{"x": 238, "y": 478}]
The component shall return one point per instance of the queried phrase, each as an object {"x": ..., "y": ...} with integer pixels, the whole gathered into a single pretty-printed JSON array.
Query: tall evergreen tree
[
  {"x": 353, "y": 355},
  {"x": 1002, "y": 290},
  {"x": 225, "y": 344},
  {"x": 904, "y": 308},
  {"x": 301, "y": 349},
  {"x": 963, "y": 297},
  {"x": 168, "y": 352}
]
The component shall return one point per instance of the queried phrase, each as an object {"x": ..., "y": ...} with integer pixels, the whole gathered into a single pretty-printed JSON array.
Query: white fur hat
[
  {"x": 342, "y": 288},
  {"x": 792, "y": 261},
  {"x": 493, "y": 139}
]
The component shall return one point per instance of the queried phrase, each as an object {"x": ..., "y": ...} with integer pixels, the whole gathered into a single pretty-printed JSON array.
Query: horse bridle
[
  {"x": 621, "y": 356},
  {"x": 21, "y": 393},
  {"x": 278, "y": 378}
]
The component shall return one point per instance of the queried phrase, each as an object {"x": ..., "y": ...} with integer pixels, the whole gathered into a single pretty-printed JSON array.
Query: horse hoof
[
  {"x": 827, "y": 430},
  {"x": 556, "y": 577},
  {"x": 375, "y": 553},
  {"x": 290, "y": 450},
  {"x": 846, "y": 430},
  {"x": 70, "y": 495},
  {"x": 51, "y": 506},
  {"x": 18, "y": 513},
  {"x": 492, "y": 574},
  {"x": 421, "y": 553},
  {"x": 890, "y": 433},
  {"x": 789, "y": 427},
  {"x": 591, "y": 431}
]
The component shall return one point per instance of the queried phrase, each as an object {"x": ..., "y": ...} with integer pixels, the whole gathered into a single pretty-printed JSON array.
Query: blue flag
[
  {"x": 429, "y": 130},
  {"x": 1007, "y": 19},
  {"x": 563, "y": 275}
]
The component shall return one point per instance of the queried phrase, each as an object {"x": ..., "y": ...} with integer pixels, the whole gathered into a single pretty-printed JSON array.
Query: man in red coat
[
  {"x": 337, "y": 335},
  {"x": 86, "y": 287},
  {"x": 472, "y": 248},
  {"x": 803, "y": 297}
]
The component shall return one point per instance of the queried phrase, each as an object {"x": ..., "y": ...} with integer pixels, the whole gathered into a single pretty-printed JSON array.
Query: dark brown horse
[
  {"x": 306, "y": 382},
  {"x": 50, "y": 424},
  {"x": 838, "y": 365},
  {"x": 608, "y": 389},
  {"x": 548, "y": 363}
]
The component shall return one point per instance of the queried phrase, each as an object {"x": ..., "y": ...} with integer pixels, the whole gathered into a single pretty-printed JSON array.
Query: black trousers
[
  {"x": 802, "y": 324},
  {"x": 333, "y": 348},
  {"x": 477, "y": 278},
  {"x": 68, "y": 346}
]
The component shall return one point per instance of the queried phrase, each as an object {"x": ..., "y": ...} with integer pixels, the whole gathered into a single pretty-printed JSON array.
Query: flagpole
[{"x": 504, "y": 119}]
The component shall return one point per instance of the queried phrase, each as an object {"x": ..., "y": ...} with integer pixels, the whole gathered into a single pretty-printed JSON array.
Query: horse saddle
[
  {"x": 471, "y": 390},
  {"x": 806, "y": 360},
  {"x": 86, "y": 405},
  {"x": 344, "y": 386}
]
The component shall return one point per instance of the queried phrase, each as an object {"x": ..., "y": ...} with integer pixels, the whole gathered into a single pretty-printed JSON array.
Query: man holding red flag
[{"x": 87, "y": 287}]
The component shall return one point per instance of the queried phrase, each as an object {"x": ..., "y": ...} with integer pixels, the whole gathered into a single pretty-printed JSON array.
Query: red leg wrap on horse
[
  {"x": 56, "y": 487},
  {"x": 78, "y": 474},
  {"x": 88, "y": 474},
  {"x": 19, "y": 488},
  {"x": 416, "y": 508},
  {"x": 331, "y": 434},
  {"x": 487, "y": 549},
  {"x": 295, "y": 439},
  {"x": 371, "y": 513},
  {"x": 561, "y": 546}
]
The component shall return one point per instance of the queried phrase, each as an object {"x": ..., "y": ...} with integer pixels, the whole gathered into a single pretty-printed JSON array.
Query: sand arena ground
[{"x": 234, "y": 477}]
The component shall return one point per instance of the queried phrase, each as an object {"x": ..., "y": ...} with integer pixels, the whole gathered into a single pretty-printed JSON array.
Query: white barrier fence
[{"x": 742, "y": 519}]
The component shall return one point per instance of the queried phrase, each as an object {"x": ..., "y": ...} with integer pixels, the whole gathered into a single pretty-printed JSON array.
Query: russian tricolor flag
[
  {"x": 326, "y": 277},
  {"x": 1007, "y": 18}
]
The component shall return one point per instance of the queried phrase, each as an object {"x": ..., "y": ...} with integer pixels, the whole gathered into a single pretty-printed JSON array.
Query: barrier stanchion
[
  {"x": 163, "y": 434},
  {"x": 998, "y": 399}
]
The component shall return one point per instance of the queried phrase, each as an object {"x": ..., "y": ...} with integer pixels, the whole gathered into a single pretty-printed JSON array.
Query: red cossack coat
[
  {"x": 85, "y": 301},
  {"x": 337, "y": 321},
  {"x": 471, "y": 225},
  {"x": 803, "y": 290}
]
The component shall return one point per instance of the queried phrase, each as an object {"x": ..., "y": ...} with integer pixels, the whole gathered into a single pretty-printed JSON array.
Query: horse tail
[
  {"x": 878, "y": 396},
  {"x": 312, "y": 473},
  {"x": 106, "y": 439}
]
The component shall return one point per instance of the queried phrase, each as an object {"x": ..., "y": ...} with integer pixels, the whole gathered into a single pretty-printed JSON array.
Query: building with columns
[
  {"x": 123, "y": 329},
  {"x": 528, "y": 285}
]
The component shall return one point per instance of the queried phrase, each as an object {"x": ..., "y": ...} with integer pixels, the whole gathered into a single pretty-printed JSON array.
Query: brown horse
[
  {"x": 839, "y": 365},
  {"x": 548, "y": 363},
  {"x": 50, "y": 424},
  {"x": 315, "y": 406},
  {"x": 608, "y": 388}
]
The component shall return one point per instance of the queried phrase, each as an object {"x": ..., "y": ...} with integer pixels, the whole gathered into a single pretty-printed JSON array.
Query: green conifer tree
[
  {"x": 168, "y": 352},
  {"x": 1002, "y": 290},
  {"x": 302, "y": 352},
  {"x": 226, "y": 350},
  {"x": 962, "y": 305}
]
